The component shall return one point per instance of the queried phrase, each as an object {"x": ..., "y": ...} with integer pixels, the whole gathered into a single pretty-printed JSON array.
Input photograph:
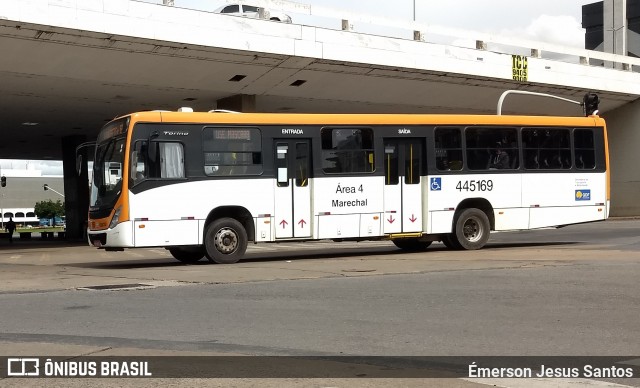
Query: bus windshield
[{"x": 106, "y": 184}]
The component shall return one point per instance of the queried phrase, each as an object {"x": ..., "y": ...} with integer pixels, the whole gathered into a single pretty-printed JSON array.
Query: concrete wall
[
  {"x": 142, "y": 22},
  {"x": 24, "y": 192},
  {"x": 623, "y": 125}
]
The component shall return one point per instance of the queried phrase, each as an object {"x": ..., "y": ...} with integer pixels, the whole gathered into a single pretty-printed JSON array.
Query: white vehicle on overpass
[{"x": 254, "y": 12}]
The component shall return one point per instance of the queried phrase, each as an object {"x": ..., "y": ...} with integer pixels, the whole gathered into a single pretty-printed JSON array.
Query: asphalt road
[{"x": 567, "y": 292}]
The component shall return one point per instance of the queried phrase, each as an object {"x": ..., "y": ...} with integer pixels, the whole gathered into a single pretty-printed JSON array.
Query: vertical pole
[
  {"x": 76, "y": 190},
  {"x": 620, "y": 27},
  {"x": 615, "y": 29},
  {"x": 414, "y": 10}
]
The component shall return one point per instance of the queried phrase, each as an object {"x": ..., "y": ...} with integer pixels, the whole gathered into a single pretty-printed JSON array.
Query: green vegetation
[
  {"x": 49, "y": 209},
  {"x": 38, "y": 230}
]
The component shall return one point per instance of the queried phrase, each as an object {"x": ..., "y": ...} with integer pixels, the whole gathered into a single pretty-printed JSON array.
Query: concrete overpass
[{"x": 68, "y": 66}]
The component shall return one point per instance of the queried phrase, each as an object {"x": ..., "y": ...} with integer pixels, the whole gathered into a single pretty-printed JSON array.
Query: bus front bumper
[{"x": 119, "y": 237}]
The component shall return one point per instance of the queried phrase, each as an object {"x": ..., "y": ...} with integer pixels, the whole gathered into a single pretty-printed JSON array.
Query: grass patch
[{"x": 38, "y": 230}]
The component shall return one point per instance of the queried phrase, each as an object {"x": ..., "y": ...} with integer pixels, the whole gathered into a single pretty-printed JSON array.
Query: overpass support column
[
  {"x": 615, "y": 29},
  {"x": 239, "y": 103},
  {"x": 624, "y": 142},
  {"x": 76, "y": 187}
]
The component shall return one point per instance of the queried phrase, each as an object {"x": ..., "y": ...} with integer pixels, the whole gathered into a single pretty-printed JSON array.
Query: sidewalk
[{"x": 37, "y": 242}]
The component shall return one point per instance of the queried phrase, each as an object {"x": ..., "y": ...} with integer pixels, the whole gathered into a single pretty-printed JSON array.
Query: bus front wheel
[
  {"x": 472, "y": 229},
  {"x": 225, "y": 241}
]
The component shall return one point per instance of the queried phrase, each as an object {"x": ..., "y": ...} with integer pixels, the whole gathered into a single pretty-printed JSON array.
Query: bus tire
[
  {"x": 411, "y": 244},
  {"x": 472, "y": 229},
  {"x": 225, "y": 241},
  {"x": 450, "y": 241},
  {"x": 187, "y": 255}
]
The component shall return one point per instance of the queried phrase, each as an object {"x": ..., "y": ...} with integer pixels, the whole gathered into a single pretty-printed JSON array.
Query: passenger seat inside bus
[
  {"x": 455, "y": 165},
  {"x": 532, "y": 163}
]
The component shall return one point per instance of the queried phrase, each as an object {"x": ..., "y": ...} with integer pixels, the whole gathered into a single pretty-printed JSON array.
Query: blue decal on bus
[
  {"x": 436, "y": 184},
  {"x": 583, "y": 195}
]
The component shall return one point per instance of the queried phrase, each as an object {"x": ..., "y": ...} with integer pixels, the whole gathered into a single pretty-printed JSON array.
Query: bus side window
[
  {"x": 139, "y": 170},
  {"x": 546, "y": 148},
  {"x": 232, "y": 151},
  {"x": 169, "y": 163},
  {"x": 448, "y": 149},
  {"x": 347, "y": 150},
  {"x": 492, "y": 148},
  {"x": 585, "y": 155},
  {"x": 171, "y": 160}
]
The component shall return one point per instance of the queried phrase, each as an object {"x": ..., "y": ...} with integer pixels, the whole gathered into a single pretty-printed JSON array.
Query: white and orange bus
[{"x": 207, "y": 184}]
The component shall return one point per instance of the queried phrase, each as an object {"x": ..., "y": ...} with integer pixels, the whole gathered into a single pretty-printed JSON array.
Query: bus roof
[{"x": 360, "y": 119}]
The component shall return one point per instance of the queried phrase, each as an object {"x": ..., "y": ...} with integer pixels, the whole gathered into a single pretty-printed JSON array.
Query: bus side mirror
[
  {"x": 79, "y": 164},
  {"x": 79, "y": 158},
  {"x": 134, "y": 165}
]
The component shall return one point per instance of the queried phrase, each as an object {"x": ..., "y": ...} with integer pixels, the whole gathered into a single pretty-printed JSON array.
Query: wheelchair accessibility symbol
[{"x": 436, "y": 184}]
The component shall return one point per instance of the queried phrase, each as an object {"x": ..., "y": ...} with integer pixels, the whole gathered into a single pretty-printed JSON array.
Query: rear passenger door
[{"x": 403, "y": 161}]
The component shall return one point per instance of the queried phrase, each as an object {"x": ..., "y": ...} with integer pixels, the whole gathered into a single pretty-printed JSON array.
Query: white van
[{"x": 254, "y": 12}]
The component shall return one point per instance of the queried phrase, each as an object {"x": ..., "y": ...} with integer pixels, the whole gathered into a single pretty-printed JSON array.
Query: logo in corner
[
  {"x": 23, "y": 367},
  {"x": 583, "y": 195}
]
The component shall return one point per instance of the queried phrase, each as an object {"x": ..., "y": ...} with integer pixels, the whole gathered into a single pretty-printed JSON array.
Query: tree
[{"x": 49, "y": 209}]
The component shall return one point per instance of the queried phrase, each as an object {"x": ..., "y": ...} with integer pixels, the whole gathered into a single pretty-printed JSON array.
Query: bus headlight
[{"x": 115, "y": 219}]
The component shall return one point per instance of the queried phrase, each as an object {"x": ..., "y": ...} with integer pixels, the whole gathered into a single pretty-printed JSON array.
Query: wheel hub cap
[
  {"x": 226, "y": 240},
  {"x": 472, "y": 230}
]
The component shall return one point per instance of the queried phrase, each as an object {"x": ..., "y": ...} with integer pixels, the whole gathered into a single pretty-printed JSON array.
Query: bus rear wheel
[
  {"x": 472, "y": 229},
  {"x": 411, "y": 244},
  {"x": 187, "y": 255},
  {"x": 225, "y": 241}
]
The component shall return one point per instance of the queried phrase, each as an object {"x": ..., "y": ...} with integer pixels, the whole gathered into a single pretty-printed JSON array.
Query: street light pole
[
  {"x": 46, "y": 187},
  {"x": 414, "y": 10}
]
